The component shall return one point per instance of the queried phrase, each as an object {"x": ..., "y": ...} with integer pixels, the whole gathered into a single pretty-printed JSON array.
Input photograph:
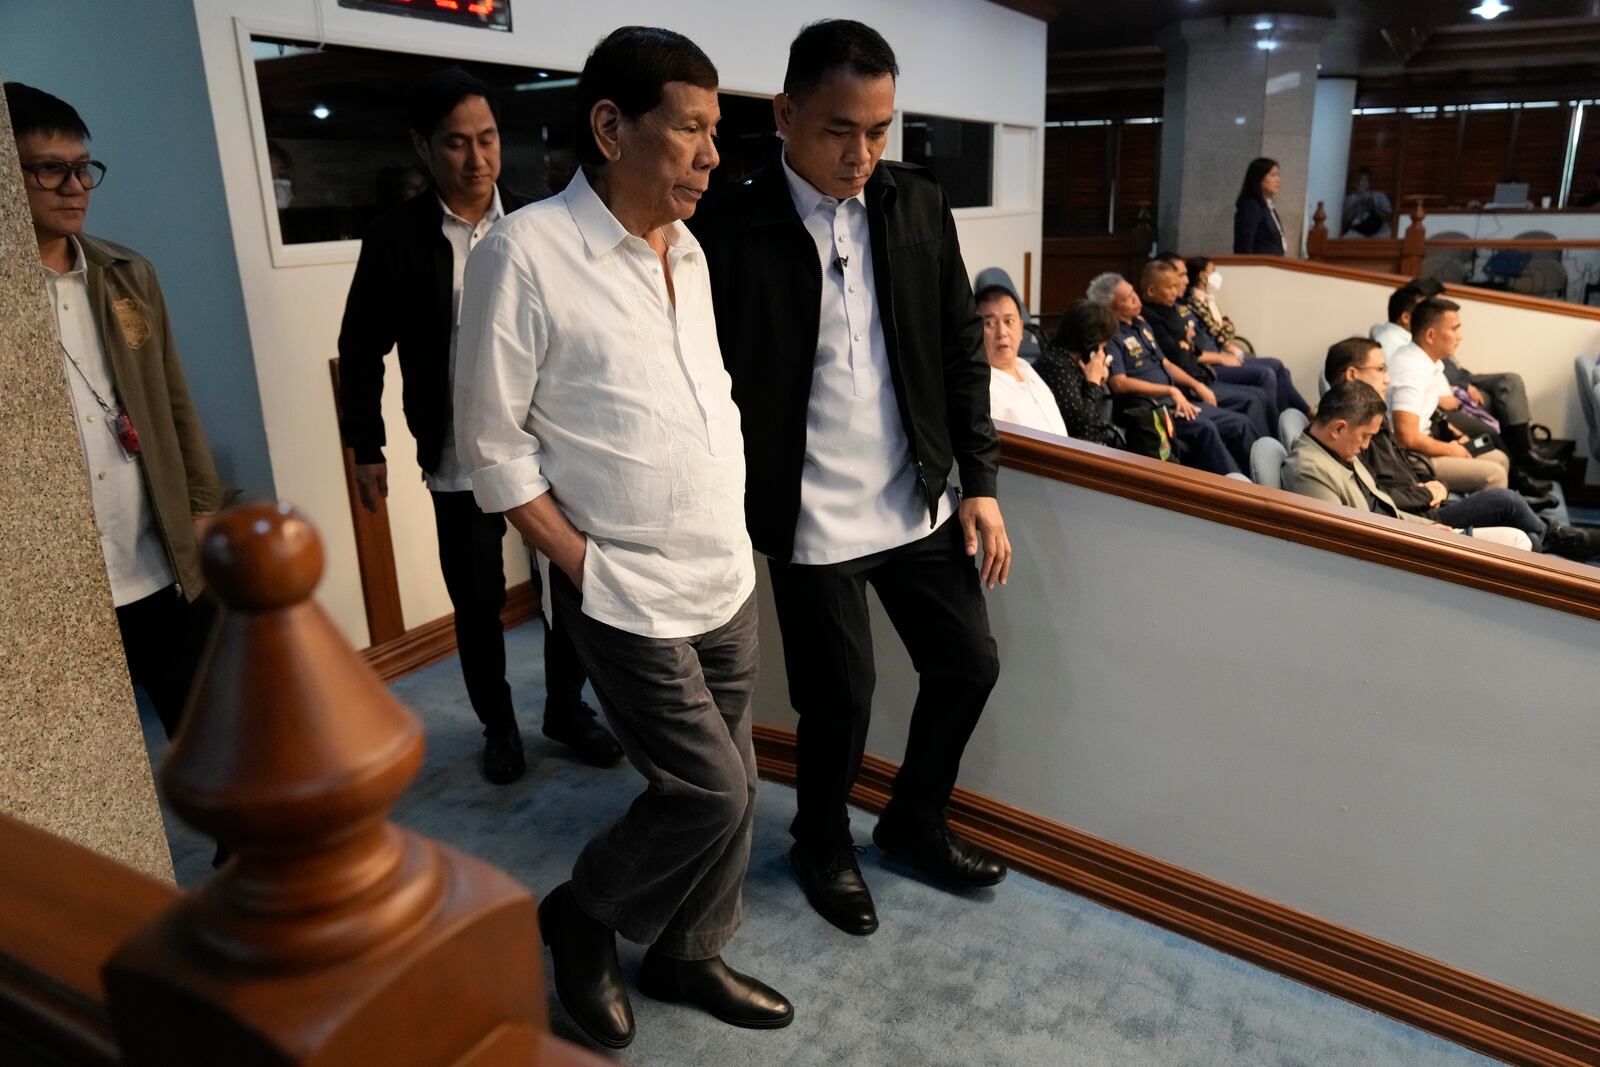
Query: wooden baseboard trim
[
  {"x": 422, "y": 646},
  {"x": 1404, "y": 985}
]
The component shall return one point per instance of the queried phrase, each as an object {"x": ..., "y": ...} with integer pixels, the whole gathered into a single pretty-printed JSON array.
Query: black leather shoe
[
  {"x": 503, "y": 761},
  {"x": 1527, "y": 484},
  {"x": 1572, "y": 542},
  {"x": 589, "y": 979},
  {"x": 940, "y": 854},
  {"x": 578, "y": 728},
  {"x": 736, "y": 999},
  {"x": 1542, "y": 502},
  {"x": 833, "y": 884},
  {"x": 1537, "y": 466}
]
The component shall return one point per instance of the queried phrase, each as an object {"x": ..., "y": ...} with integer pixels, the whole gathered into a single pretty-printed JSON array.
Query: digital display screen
[{"x": 483, "y": 14}]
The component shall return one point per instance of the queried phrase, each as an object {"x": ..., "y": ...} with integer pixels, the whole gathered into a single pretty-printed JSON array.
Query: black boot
[
  {"x": 1527, "y": 484},
  {"x": 1519, "y": 443},
  {"x": 589, "y": 982}
]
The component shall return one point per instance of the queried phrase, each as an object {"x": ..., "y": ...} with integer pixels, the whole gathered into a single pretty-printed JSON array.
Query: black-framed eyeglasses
[{"x": 52, "y": 174}]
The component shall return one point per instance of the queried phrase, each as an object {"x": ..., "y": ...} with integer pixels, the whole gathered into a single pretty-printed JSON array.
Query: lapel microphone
[{"x": 840, "y": 263}]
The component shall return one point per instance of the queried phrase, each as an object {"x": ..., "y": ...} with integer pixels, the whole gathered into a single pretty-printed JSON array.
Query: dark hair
[
  {"x": 1156, "y": 268},
  {"x": 1429, "y": 312},
  {"x": 1172, "y": 258},
  {"x": 36, "y": 111},
  {"x": 1196, "y": 266},
  {"x": 436, "y": 95},
  {"x": 631, "y": 68},
  {"x": 1403, "y": 300},
  {"x": 1342, "y": 355},
  {"x": 990, "y": 292},
  {"x": 1355, "y": 402},
  {"x": 1428, "y": 287},
  {"x": 834, "y": 43},
  {"x": 1084, "y": 327},
  {"x": 1258, "y": 169}
]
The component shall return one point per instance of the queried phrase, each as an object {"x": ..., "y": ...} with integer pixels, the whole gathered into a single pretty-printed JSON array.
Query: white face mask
[
  {"x": 283, "y": 191},
  {"x": 1214, "y": 282}
]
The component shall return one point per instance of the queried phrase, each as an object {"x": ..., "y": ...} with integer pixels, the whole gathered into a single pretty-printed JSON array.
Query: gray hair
[{"x": 1103, "y": 288}]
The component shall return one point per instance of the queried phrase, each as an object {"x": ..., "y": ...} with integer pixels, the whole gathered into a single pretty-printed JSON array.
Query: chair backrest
[
  {"x": 1266, "y": 462},
  {"x": 1031, "y": 346},
  {"x": 1322, "y": 385},
  {"x": 1291, "y": 424},
  {"x": 1238, "y": 476},
  {"x": 1589, "y": 397}
]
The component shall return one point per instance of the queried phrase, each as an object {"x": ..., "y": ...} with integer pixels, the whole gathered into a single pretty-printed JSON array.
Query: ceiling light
[
  {"x": 1266, "y": 44},
  {"x": 1266, "y": 24},
  {"x": 1491, "y": 9},
  {"x": 321, "y": 111}
]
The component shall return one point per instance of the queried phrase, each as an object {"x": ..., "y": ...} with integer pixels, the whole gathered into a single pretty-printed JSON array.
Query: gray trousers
[
  {"x": 1506, "y": 396},
  {"x": 670, "y": 872}
]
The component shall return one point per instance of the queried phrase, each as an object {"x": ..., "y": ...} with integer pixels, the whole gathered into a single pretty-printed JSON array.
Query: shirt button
[
  {"x": 101, "y": 476},
  {"x": 852, "y": 288},
  {"x": 91, "y": 418},
  {"x": 858, "y": 337}
]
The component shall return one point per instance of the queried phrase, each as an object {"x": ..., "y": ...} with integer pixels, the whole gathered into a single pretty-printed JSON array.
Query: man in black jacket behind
[
  {"x": 407, "y": 292},
  {"x": 846, "y": 321}
]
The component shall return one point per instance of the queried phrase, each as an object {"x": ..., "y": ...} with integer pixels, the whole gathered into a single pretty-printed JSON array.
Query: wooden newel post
[
  {"x": 333, "y": 937},
  {"x": 1317, "y": 239},
  {"x": 1414, "y": 245}
]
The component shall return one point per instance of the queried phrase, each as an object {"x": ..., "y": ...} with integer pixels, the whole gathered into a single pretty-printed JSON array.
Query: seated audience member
[
  {"x": 1159, "y": 288},
  {"x": 1502, "y": 397},
  {"x": 1076, "y": 368},
  {"x": 1417, "y": 382},
  {"x": 1325, "y": 462},
  {"x": 1151, "y": 391},
  {"x": 1228, "y": 360},
  {"x": 1367, "y": 212},
  {"x": 1016, "y": 392},
  {"x": 1396, "y": 472},
  {"x": 1396, "y": 332}
]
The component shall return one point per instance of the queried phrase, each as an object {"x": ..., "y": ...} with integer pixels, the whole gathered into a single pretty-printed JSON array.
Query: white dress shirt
[
  {"x": 1390, "y": 337},
  {"x": 576, "y": 375},
  {"x": 1416, "y": 383},
  {"x": 859, "y": 493},
  {"x": 1026, "y": 403},
  {"x": 136, "y": 557},
  {"x": 450, "y": 476}
]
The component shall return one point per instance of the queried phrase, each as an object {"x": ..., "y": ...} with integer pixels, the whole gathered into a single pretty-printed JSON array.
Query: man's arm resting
[
  {"x": 546, "y": 528},
  {"x": 1409, "y": 432}
]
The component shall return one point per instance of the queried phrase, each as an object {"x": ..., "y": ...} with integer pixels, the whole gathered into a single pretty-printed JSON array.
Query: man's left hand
[
  {"x": 982, "y": 527},
  {"x": 1477, "y": 397}
]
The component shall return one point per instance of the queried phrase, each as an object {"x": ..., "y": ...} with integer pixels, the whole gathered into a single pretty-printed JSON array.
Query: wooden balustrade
[
  {"x": 332, "y": 937},
  {"x": 1389, "y": 255}
]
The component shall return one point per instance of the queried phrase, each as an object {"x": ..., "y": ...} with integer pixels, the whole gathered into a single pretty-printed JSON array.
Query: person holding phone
[{"x": 1075, "y": 368}]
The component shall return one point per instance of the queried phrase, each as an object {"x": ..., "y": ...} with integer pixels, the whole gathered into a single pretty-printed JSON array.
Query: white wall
[
  {"x": 1296, "y": 316},
  {"x": 1328, "y": 169},
  {"x": 963, "y": 58},
  {"x": 1509, "y": 225},
  {"x": 1408, "y": 758}
]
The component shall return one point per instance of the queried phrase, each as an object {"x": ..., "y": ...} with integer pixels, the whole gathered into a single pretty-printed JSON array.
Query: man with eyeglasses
[{"x": 151, "y": 476}]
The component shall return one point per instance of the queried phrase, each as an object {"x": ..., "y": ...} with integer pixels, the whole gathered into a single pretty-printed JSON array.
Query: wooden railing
[
  {"x": 332, "y": 937},
  {"x": 1387, "y": 254}
]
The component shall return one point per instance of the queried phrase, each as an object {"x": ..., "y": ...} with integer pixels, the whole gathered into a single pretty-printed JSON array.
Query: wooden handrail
[
  {"x": 1530, "y": 243},
  {"x": 1544, "y": 580},
  {"x": 329, "y": 927}
]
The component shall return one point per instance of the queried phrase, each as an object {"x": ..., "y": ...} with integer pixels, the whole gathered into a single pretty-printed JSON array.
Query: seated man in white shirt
[
  {"x": 1417, "y": 382},
  {"x": 1395, "y": 333},
  {"x": 592, "y": 407},
  {"x": 1016, "y": 392}
]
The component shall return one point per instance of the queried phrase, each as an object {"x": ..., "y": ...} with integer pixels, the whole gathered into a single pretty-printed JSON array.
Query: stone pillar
[
  {"x": 72, "y": 758},
  {"x": 1229, "y": 100}
]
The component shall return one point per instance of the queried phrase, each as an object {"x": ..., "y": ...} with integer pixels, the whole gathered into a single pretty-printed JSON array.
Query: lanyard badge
[{"x": 127, "y": 437}]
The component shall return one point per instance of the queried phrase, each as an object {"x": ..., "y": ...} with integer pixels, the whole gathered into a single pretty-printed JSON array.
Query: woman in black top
[
  {"x": 1075, "y": 368},
  {"x": 1256, "y": 228}
]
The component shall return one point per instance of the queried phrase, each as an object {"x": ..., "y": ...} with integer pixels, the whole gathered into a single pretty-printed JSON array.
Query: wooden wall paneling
[
  {"x": 1541, "y": 151},
  {"x": 1487, "y": 160},
  {"x": 1428, "y": 144},
  {"x": 1139, "y": 174}
]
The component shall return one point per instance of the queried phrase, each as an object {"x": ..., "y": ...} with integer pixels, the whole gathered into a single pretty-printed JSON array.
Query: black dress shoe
[
  {"x": 579, "y": 729},
  {"x": 503, "y": 761},
  {"x": 1539, "y": 467},
  {"x": 589, "y": 979},
  {"x": 1572, "y": 542},
  {"x": 1527, "y": 484},
  {"x": 736, "y": 999},
  {"x": 833, "y": 884},
  {"x": 939, "y": 853},
  {"x": 1542, "y": 502}
]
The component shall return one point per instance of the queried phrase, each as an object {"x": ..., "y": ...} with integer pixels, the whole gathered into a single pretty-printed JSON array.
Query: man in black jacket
[
  {"x": 1396, "y": 471},
  {"x": 846, "y": 320},
  {"x": 407, "y": 292}
]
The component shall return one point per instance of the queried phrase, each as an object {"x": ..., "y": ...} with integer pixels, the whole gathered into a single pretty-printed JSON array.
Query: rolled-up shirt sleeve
[{"x": 499, "y": 349}]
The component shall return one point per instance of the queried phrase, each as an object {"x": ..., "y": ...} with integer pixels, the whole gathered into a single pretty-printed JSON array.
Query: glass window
[{"x": 960, "y": 154}]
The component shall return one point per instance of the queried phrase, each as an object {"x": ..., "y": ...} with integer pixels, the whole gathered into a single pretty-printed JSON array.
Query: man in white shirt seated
[
  {"x": 592, "y": 407},
  {"x": 1396, "y": 332},
  {"x": 1016, "y": 392},
  {"x": 1417, "y": 382}
]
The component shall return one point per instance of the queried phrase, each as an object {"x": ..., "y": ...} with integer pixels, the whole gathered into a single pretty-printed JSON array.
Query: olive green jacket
[
  {"x": 1311, "y": 470},
  {"x": 175, "y": 458}
]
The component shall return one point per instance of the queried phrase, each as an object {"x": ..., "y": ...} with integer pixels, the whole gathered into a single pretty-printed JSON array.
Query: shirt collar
[
  {"x": 602, "y": 232},
  {"x": 808, "y": 197},
  {"x": 80, "y": 264},
  {"x": 494, "y": 214},
  {"x": 1348, "y": 465}
]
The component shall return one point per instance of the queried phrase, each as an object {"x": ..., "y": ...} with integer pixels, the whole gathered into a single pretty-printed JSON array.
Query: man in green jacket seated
[{"x": 1324, "y": 462}]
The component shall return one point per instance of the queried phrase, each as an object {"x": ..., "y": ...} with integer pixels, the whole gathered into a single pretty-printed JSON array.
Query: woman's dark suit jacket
[{"x": 1254, "y": 231}]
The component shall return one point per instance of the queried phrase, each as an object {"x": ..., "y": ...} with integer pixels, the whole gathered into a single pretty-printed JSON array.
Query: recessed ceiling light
[
  {"x": 321, "y": 111},
  {"x": 1266, "y": 44},
  {"x": 1491, "y": 9},
  {"x": 1263, "y": 24}
]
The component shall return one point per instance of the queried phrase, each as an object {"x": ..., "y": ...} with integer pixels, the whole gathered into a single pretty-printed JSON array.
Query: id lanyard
[{"x": 117, "y": 420}]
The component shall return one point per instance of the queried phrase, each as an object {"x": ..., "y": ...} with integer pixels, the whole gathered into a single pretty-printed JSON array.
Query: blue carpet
[{"x": 1021, "y": 974}]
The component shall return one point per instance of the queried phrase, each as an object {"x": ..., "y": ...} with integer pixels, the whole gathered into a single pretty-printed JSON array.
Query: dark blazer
[
  {"x": 400, "y": 295},
  {"x": 1085, "y": 407},
  {"x": 1391, "y": 467},
  {"x": 1171, "y": 328},
  {"x": 767, "y": 288},
  {"x": 1254, "y": 232}
]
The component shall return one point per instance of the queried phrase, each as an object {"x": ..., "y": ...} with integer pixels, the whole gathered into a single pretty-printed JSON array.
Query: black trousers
[
  {"x": 163, "y": 636},
  {"x": 931, "y": 592},
  {"x": 475, "y": 577}
]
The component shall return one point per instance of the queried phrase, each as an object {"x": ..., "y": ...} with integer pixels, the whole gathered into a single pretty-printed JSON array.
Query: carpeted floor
[{"x": 1020, "y": 974}]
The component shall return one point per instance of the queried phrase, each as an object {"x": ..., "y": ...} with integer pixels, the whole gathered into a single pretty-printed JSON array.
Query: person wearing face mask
[
  {"x": 407, "y": 293},
  {"x": 847, "y": 322},
  {"x": 1257, "y": 230},
  {"x": 1016, "y": 392},
  {"x": 1216, "y": 338}
]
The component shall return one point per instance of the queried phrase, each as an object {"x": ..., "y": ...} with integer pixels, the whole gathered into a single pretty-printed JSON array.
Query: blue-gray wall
[{"x": 133, "y": 71}]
